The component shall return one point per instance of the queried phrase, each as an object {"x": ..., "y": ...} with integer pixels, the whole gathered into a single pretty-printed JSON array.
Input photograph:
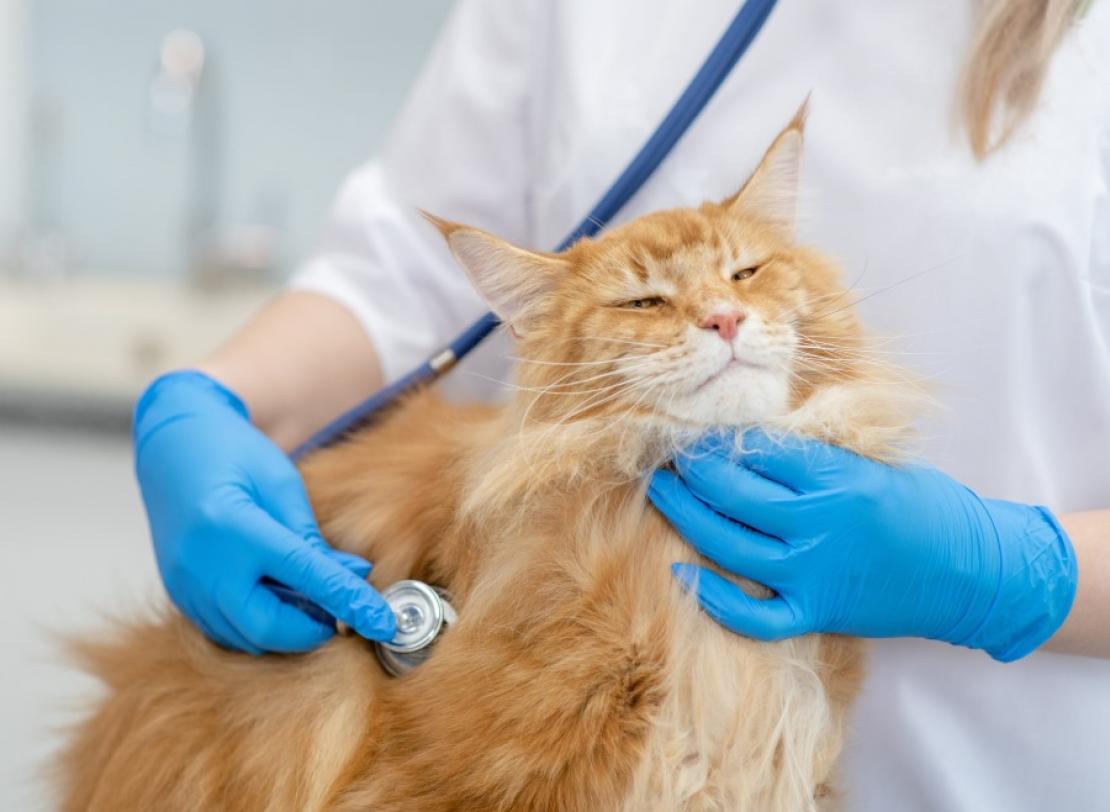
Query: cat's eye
[
  {"x": 643, "y": 304},
  {"x": 745, "y": 273}
]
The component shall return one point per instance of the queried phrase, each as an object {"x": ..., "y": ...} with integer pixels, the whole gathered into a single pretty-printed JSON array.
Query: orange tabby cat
[{"x": 579, "y": 675}]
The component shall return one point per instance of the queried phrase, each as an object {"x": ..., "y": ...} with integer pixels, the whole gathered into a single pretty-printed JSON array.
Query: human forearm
[
  {"x": 1087, "y": 628},
  {"x": 302, "y": 360}
]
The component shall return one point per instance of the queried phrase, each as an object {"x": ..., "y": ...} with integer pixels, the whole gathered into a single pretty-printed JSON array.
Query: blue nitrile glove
[
  {"x": 857, "y": 547},
  {"x": 227, "y": 509}
]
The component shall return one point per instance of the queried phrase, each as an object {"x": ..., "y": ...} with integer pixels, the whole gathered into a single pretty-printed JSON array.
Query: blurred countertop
[{"x": 80, "y": 350}]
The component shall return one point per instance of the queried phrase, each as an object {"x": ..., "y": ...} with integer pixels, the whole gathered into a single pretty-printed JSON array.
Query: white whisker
[
  {"x": 579, "y": 363},
  {"x": 885, "y": 289},
  {"x": 625, "y": 341}
]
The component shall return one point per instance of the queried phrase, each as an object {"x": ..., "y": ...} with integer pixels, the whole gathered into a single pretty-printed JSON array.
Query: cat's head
[{"x": 701, "y": 317}]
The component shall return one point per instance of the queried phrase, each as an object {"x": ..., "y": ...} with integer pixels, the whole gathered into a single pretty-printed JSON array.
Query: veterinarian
[{"x": 958, "y": 156}]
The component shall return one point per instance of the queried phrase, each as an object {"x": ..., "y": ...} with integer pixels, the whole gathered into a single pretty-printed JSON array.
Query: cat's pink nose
[{"x": 726, "y": 324}]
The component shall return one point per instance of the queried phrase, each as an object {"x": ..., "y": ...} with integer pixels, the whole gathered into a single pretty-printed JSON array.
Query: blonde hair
[{"x": 1008, "y": 61}]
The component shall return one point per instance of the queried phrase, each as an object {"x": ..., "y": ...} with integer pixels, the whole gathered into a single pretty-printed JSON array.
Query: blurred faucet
[
  {"x": 176, "y": 83},
  {"x": 185, "y": 103}
]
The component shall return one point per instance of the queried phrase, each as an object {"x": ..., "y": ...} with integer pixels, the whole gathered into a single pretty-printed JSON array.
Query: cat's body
[{"x": 580, "y": 676}]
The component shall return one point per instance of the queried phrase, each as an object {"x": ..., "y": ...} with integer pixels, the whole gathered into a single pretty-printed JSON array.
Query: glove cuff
[
  {"x": 1037, "y": 583},
  {"x": 176, "y": 394}
]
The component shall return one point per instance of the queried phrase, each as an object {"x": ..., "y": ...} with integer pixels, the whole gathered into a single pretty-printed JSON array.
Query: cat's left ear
[
  {"x": 771, "y": 193},
  {"x": 513, "y": 281}
]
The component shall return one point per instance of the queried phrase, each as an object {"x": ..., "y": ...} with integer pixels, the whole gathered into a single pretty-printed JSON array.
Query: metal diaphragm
[{"x": 422, "y": 612}]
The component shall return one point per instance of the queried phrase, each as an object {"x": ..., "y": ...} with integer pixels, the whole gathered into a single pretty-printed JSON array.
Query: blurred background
[{"x": 164, "y": 166}]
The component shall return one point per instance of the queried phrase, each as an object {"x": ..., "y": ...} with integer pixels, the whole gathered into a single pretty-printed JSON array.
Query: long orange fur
[{"x": 579, "y": 676}]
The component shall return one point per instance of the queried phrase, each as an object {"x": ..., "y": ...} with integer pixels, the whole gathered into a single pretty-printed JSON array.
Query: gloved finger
[
  {"x": 288, "y": 503},
  {"x": 270, "y": 624},
  {"x": 286, "y": 500},
  {"x": 355, "y": 563},
  {"x": 733, "y": 546},
  {"x": 322, "y": 580},
  {"x": 765, "y": 619},
  {"x": 715, "y": 476},
  {"x": 798, "y": 463}
]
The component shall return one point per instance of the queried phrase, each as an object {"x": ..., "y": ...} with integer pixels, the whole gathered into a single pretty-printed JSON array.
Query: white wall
[
  {"x": 302, "y": 92},
  {"x": 73, "y": 549},
  {"x": 13, "y": 110}
]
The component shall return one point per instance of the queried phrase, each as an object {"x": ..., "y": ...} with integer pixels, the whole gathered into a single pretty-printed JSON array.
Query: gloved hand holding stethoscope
[{"x": 228, "y": 511}]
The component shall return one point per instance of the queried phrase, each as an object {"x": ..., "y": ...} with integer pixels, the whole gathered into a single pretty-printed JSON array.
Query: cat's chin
[{"x": 742, "y": 398}]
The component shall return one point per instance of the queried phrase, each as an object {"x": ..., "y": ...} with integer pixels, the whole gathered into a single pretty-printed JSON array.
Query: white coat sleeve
[
  {"x": 459, "y": 150},
  {"x": 1094, "y": 32}
]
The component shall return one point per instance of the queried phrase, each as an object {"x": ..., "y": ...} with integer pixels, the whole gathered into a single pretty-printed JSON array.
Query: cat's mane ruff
[
  {"x": 870, "y": 408},
  {"x": 874, "y": 417}
]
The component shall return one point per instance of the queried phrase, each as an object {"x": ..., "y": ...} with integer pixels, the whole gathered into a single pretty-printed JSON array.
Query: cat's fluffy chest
[{"x": 743, "y": 724}]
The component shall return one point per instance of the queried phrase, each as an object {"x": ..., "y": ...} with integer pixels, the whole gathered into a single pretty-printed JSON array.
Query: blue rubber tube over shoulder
[{"x": 726, "y": 53}]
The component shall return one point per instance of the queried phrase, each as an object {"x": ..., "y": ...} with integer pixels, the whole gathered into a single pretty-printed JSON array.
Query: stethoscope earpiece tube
[{"x": 732, "y": 45}]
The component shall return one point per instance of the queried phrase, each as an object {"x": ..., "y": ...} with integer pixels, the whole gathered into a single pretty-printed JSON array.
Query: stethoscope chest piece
[{"x": 422, "y": 612}]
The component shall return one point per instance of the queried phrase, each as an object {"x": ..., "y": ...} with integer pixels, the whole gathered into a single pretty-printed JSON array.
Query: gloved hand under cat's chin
[{"x": 858, "y": 547}]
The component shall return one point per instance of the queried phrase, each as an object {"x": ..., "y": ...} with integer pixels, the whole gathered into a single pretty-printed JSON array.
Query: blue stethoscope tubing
[{"x": 726, "y": 53}]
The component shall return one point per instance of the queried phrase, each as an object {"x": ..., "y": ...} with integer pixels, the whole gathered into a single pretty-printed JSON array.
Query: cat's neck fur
[
  {"x": 522, "y": 456},
  {"x": 532, "y": 458}
]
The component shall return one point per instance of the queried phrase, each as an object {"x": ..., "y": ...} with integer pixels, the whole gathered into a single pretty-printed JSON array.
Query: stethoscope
[{"x": 726, "y": 53}]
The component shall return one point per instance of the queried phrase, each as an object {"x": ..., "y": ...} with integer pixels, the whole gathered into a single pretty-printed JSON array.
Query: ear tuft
[
  {"x": 772, "y": 191},
  {"x": 799, "y": 121},
  {"x": 445, "y": 227},
  {"x": 514, "y": 282}
]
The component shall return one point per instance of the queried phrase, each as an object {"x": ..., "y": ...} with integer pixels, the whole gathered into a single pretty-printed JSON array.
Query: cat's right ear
[
  {"x": 771, "y": 193},
  {"x": 513, "y": 281}
]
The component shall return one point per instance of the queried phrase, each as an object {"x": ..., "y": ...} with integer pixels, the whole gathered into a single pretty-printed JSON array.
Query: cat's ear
[
  {"x": 513, "y": 281},
  {"x": 772, "y": 191}
]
